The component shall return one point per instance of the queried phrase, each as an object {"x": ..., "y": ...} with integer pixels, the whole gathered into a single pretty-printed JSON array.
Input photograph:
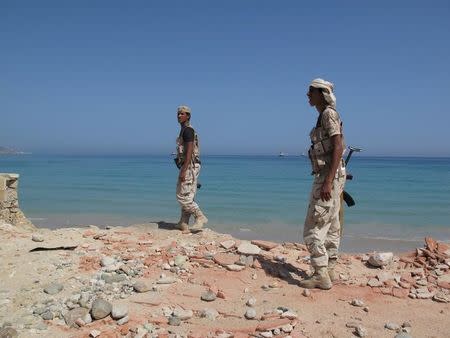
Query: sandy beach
[{"x": 150, "y": 280}]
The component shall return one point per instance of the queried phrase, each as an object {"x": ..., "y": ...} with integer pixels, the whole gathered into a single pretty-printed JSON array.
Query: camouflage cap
[{"x": 185, "y": 109}]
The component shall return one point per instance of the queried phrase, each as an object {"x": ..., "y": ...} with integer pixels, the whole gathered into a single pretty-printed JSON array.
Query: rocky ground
[{"x": 150, "y": 280}]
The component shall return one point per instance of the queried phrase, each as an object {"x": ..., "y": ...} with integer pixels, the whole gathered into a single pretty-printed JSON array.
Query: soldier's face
[
  {"x": 315, "y": 96},
  {"x": 182, "y": 117}
]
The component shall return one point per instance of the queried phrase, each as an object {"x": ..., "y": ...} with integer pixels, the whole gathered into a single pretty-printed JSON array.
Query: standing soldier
[
  {"x": 188, "y": 161},
  {"x": 322, "y": 227}
]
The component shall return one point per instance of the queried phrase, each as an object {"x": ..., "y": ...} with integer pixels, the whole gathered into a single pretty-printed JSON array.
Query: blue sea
[{"x": 398, "y": 200}]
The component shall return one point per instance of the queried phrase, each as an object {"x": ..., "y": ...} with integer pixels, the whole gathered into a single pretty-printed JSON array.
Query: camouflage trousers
[
  {"x": 187, "y": 189},
  {"x": 322, "y": 229}
]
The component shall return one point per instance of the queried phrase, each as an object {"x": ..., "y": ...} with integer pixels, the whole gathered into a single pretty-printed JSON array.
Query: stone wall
[{"x": 9, "y": 202}]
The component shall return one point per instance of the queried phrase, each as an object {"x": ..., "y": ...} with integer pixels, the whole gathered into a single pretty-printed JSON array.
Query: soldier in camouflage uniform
[
  {"x": 188, "y": 161},
  {"x": 322, "y": 227}
]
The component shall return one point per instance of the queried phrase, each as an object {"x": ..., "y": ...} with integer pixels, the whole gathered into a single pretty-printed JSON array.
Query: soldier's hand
[
  {"x": 325, "y": 191},
  {"x": 182, "y": 176}
]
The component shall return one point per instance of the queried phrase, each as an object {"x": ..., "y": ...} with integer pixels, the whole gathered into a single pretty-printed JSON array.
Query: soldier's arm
[
  {"x": 188, "y": 148},
  {"x": 338, "y": 148}
]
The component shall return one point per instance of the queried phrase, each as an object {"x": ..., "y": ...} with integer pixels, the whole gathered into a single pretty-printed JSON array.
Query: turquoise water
[{"x": 397, "y": 198}]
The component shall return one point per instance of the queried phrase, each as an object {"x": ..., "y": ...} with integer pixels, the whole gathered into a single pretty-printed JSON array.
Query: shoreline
[{"x": 351, "y": 242}]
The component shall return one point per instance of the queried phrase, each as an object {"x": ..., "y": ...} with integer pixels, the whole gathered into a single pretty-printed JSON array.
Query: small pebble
[
  {"x": 250, "y": 313},
  {"x": 208, "y": 296}
]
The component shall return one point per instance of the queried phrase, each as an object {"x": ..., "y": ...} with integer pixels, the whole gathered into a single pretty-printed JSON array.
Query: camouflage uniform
[
  {"x": 322, "y": 227},
  {"x": 187, "y": 189}
]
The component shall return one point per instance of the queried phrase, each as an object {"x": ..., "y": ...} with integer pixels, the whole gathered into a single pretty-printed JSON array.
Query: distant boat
[
  {"x": 281, "y": 154},
  {"x": 174, "y": 153}
]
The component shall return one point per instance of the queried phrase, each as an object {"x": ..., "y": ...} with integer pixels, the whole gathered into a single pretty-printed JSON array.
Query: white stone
[
  {"x": 357, "y": 302},
  {"x": 380, "y": 259},
  {"x": 290, "y": 315},
  {"x": 209, "y": 313},
  {"x": 94, "y": 333},
  {"x": 183, "y": 314},
  {"x": 251, "y": 302},
  {"x": 235, "y": 267},
  {"x": 425, "y": 295},
  {"x": 287, "y": 328},
  {"x": 119, "y": 310},
  {"x": 37, "y": 238},
  {"x": 392, "y": 326},
  {"x": 248, "y": 248},
  {"x": 228, "y": 244},
  {"x": 107, "y": 261},
  {"x": 385, "y": 276},
  {"x": 250, "y": 313}
]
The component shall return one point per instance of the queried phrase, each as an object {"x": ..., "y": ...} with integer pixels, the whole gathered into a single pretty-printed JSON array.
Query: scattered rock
[
  {"x": 142, "y": 286},
  {"x": 47, "y": 315},
  {"x": 183, "y": 314},
  {"x": 72, "y": 316},
  {"x": 225, "y": 259},
  {"x": 357, "y": 302},
  {"x": 100, "y": 309},
  {"x": 80, "y": 322},
  {"x": 265, "y": 244},
  {"x": 235, "y": 267},
  {"x": 107, "y": 261},
  {"x": 123, "y": 320},
  {"x": 94, "y": 333},
  {"x": 287, "y": 328},
  {"x": 380, "y": 259},
  {"x": 392, "y": 326},
  {"x": 374, "y": 283},
  {"x": 290, "y": 315},
  {"x": 113, "y": 278},
  {"x": 250, "y": 313},
  {"x": 425, "y": 295},
  {"x": 441, "y": 297},
  {"x": 266, "y": 325},
  {"x": 385, "y": 276},
  {"x": 209, "y": 313},
  {"x": 251, "y": 302},
  {"x": 180, "y": 260},
  {"x": 247, "y": 248},
  {"x": 53, "y": 288},
  {"x": 119, "y": 310},
  {"x": 208, "y": 296},
  {"x": 228, "y": 244},
  {"x": 37, "y": 238},
  {"x": 174, "y": 321},
  {"x": 360, "y": 331},
  {"x": 306, "y": 293},
  {"x": 245, "y": 260},
  {"x": 266, "y": 334}
]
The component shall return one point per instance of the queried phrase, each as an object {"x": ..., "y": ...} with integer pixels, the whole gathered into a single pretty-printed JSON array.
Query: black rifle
[{"x": 347, "y": 197}]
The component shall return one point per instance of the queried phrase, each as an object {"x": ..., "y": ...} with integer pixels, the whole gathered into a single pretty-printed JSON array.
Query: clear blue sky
[{"x": 107, "y": 76}]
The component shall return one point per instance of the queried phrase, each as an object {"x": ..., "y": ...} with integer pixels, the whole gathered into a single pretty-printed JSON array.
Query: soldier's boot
[
  {"x": 320, "y": 280},
  {"x": 200, "y": 220},
  {"x": 331, "y": 271},
  {"x": 183, "y": 223}
]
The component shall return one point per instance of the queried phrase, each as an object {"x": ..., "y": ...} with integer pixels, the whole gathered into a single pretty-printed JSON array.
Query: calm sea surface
[{"x": 248, "y": 196}]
